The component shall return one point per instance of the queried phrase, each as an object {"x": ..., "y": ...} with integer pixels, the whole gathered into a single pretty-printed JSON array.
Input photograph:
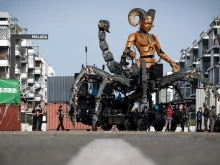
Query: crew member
[
  {"x": 168, "y": 117},
  {"x": 60, "y": 115},
  {"x": 206, "y": 117},
  {"x": 40, "y": 117},
  {"x": 199, "y": 120},
  {"x": 212, "y": 118},
  {"x": 34, "y": 115}
]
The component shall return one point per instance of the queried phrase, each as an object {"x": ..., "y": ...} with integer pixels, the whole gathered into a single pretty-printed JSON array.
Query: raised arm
[
  {"x": 163, "y": 55},
  {"x": 128, "y": 51}
]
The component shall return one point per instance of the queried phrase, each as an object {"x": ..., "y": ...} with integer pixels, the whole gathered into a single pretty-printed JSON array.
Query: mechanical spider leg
[
  {"x": 96, "y": 113},
  {"x": 189, "y": 73},
  {"x": 144, "y": 82},
  {"x": 107, "y": 78}
]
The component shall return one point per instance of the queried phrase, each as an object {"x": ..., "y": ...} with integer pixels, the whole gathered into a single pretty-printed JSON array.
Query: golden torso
[{"x": 146, "y": 45}]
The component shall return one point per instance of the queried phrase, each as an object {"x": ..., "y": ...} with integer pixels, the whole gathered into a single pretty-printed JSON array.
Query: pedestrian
[
  {"x": 183, "y": 117},
  {"x": 34, "y": 115},
  {"x": 187, "y": 118},
  {"x": 212, "y": 118},
  {"x": 40, "y": 117},
  {"x": 60, "y": 115},
  {"x": 168, "y": 117},
  {"x": 206, "y": 117},
  {"x": 199, "y": 120}
]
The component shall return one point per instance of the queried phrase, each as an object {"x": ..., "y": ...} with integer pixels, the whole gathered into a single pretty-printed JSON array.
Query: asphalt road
[{"x": 108, "y": 148}]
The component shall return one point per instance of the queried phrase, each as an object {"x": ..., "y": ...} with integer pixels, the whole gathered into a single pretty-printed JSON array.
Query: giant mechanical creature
[{"x": 136, "y": 82}]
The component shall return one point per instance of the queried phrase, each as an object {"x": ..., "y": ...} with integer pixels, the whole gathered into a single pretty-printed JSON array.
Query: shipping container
[
  {"x": 53, "y": 121},
  {"x": 9, "y": 91},
  {"x": 200, "y": 98},
  {"x": 10, "y": 118},
  {"x": 59, "y": 89}
]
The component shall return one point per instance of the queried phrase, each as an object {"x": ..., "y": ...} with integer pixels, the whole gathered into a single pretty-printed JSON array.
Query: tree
[{"x": 15, "y": 28}]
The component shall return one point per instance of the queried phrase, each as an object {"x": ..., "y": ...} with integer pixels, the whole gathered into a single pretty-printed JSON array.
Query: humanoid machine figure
[{"x": 145, "y": 43}]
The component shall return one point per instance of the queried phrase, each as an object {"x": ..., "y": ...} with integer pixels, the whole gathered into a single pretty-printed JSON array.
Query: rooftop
[{"x": 4, "y": 15}]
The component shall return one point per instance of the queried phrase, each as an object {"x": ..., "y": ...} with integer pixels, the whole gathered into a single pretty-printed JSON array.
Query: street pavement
[{"x": 108, "y": 148}]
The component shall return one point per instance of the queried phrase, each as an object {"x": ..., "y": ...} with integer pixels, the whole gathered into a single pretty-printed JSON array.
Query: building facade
[
  {"x": 203, "y": 55},
  {"x": 31, "y": 69}
]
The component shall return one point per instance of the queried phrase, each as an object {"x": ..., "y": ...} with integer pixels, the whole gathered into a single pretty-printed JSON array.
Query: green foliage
[
  {"x": 15, "y": 28},
  {"x": 217, "y": 17}
]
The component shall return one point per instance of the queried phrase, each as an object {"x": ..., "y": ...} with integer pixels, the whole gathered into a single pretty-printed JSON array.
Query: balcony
[
  {"x": 37, "y": 85},
  {"x": 31, "y": 95},
  {"x": 4, "y": 63},
  {"x": 23, "y": 75},
  {"x": 23, "y": 60},
  {"x": 17, "y": 71},
  {"x": 31, "y": 65},
  {"x": 30, "y": 80},
  {"x": 37, "y": 58},
  {"x": 3, "y": 56},
  {"x": 37, "y": 98},
  {"x": 4, "y": 42},
  {"x": 24, "y": 43},
  {"x": 17, "y": 52},
  {"x": 37, "y": 70},
  {"x": 7, "y": 23}
]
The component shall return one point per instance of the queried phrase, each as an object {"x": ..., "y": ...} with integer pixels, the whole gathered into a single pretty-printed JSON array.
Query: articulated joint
[{"x": 108, "y": 56}]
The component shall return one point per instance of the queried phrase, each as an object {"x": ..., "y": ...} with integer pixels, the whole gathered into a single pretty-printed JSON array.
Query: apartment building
[
  {"x": 31, "y": 69},
  {"x": 5, "y": 33},
  {"x": 203, "y": 54}
]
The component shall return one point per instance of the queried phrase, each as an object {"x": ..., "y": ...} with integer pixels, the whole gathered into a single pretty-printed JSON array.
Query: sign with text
[
  {"x": 15, "y": 37},
  {"x": 30, "y": 36}
]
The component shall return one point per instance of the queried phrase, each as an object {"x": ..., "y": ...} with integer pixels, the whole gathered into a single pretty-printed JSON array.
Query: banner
[{"x": 9, "y": 91}]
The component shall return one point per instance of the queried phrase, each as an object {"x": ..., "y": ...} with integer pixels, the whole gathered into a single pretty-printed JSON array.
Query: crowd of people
[
  {"x": 209, "y": 114},
  {"x": 179, "y": 111},
  {"x": 37, "y": 114},
  {"x": 180, "y": 114}
]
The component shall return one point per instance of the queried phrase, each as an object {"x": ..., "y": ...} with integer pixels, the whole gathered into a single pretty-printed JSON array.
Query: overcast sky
[{"x": 72, "y": 25}]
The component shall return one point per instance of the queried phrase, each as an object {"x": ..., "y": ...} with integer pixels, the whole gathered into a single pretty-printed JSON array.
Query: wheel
[
  {"x": 158, "y": 127},
  {"x": 173, "y": 127},
  {"x": 121, "y": 127},
  {"x": 217, "y": 127},
  {"x": 129, "y": 125},
  {"x": 94, "y": 126},
  {"x": 141, "y": 125},
  {"x": 105, "y": 126}
]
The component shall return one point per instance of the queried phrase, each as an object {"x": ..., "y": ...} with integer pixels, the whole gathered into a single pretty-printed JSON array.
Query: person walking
[
  {"x": 40, "y": 117},
  {"x": 206, "y": 117},
  {"x": 168, "y": 117},
  {"x": 212, "y": 118},
  {"x": 60, "y": 115},
  {"x": 34, "y": 115},
  {"x": 183, "y": 118},
  {"x": 199, "y": 120}
]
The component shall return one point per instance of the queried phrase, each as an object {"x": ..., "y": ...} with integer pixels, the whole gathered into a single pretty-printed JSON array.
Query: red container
[
  {"x": 53, "y": 121},
  {"x": 10, "y": 118}
]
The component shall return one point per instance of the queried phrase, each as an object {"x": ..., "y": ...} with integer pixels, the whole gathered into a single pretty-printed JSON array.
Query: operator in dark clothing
[
  {"x": 60, "y": 115},
  {"x": 206, "y": 117},
  {"x": 199, "y": 120},
  {"x": 34, "y": 114},
  {"x": 212, "y": 118},
  {"x": 40, "y": 117},
  {"x": 183, "y": 119}
]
